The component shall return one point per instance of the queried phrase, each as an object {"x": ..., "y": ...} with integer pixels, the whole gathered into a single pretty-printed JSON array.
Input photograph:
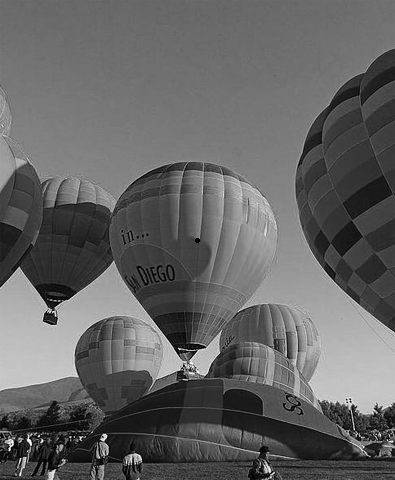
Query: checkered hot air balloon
[
  {"x": 21, "y": 206},
  {"x": 192, "y": 241},
  {"x": 73, "y": 247},
  {"x": 118, "y": 360},
  {"x": 345, "y": 186},
  {"x": 286, "y": 329}
]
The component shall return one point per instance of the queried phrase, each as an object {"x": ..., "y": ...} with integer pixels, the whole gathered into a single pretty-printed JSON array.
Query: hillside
[
  {"x": 67, "y": 390},
  {"x": 64, "y": 390}
]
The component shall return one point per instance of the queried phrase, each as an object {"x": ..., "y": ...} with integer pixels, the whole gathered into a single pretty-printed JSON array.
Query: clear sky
[{"x": 108, "y": 90}]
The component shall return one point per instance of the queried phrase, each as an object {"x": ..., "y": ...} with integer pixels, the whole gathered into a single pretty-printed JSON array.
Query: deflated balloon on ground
[{"x": 217, "y": 420}]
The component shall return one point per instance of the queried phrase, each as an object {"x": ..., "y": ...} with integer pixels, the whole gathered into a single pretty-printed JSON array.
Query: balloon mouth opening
[{"x": 187, "y": 351}]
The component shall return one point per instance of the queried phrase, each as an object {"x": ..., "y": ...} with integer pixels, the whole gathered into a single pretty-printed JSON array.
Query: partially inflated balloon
[
  {"x": 5, "y": 114},
  {"x": 118, "y": 360},
  {"x": 345, "y": 185},
  {"x": 72, "y": 248},
  {"x": 20, "y": 207},
  {"x": 193, "y": 241},
  {"x": 258, "y": 363},
  {"x": 286, "y": 329}
]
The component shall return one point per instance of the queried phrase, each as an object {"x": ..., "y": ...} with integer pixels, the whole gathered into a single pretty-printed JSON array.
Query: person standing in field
[
  {"x": 262, "y": 468},
  {"x": 8, "y": 444},
  {"x": 100, "y": 452},
  {"x": 55, "y": 461},
  {"x": 43, "y": 456},
  {"x": 22, "y": 454},
  {"x": 132, "y": 464}
]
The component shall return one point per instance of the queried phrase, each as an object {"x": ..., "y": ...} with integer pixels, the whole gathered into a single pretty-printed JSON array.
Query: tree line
[{"x": 87, "y": 416}]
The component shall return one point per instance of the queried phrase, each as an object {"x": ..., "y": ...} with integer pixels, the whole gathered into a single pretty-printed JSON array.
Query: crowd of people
[
  {"x": 48, "y": 450},
  {"x": 51, "y": 452}
]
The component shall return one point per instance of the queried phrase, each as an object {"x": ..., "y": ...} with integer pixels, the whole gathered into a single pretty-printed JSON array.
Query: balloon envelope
[
  {"x": 286, "y": 329},
  {"x": 193, "y": 241},
  {"x": 345, "y": 185},
  {"x": 258, "y": 363},
  {"x": 117, "y": 360},
  {"x": 5, "y": 114},
  {"x": 21, "y": 207},
  {"x": 72, "y": 248}
]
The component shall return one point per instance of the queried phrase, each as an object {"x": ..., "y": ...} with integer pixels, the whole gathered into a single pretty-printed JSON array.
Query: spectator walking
[
  {"x": 100, "y": 452},
  {"x": 21, "y": 456},
  {"x": 55, "y": 461},
  {"x": 132, "y": 464},
  {"x": 43, "y": 457}
]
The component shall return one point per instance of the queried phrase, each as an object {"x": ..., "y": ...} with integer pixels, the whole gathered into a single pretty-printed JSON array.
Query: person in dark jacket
[
  {"x": 43, "y": 456},
  {"x": 55, "y": 461},
  {"x": 21, "y": 456},
  {"x": 262, "y": 468}
]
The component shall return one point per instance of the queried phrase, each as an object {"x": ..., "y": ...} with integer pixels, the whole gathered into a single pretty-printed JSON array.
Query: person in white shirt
[
  {"x": 132, "y": 464},
  {"x": 8, "y": 444}
]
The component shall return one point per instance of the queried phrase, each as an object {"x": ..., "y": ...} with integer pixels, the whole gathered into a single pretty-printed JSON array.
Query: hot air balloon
[
  {"x": 345, "y": 185},
  {"x": 21, "y": 206},
  {"x": 5, "y": 114},
  {"x": 286, "y": 329},
  {"x": 219, "y": 420},
  {"x": 72, "y": 248},
  {"x": 258, "y": 363},
  {"x": 192, "y": 241},
  {"x": 118, "y": 360}
]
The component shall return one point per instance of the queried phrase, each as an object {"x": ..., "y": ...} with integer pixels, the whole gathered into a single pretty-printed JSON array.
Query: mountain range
[{"x": 65, "y": 391}]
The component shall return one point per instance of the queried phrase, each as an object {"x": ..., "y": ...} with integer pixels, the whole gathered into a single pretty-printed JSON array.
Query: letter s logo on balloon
[{"x": 293, "y": 404}]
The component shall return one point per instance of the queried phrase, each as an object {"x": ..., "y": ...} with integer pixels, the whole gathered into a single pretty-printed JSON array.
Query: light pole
[{"x": 349, "y": 406}]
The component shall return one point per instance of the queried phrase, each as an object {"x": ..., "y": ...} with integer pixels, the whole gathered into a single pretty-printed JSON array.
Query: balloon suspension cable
[{"x": 51, "y": 316}]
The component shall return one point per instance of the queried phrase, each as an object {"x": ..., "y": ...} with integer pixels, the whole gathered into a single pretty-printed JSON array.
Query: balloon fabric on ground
[
  {"x": 217, "y": 420},
  {"x": 72, "y": 248},
  {"x": 193, "y": 241},
  {"x": 286, "y": 329},
  {"x": 258, "y": 363},
  {"x": 345, "y": 186},
  {"x": 21, "y": 207},
  {"x": 117, "y": 360}
]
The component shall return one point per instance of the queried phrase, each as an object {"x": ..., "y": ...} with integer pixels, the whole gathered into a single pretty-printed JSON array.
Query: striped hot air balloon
[
  {"x": 193, "y": 241},
  {"x": 345, "y": 187},
  {"x": 72, "y": 248},
  {"x": 118, "y": 360},
  {"x": 5, "y": 114},
  {"x": 20, "y": 206},
  {"x": 286, "y": 329},
  {"x": 258, "y": 363}
]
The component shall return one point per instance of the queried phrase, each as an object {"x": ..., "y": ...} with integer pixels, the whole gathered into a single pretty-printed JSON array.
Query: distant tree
[
  {"x": 377, "y": 419},
  {"x": 389, "y": 415},
  {"x": 52, "y": 416},
  {"x": 337, "y": 413},
  {"x": 82, "y": 415},
  {"x": 340, "y": 414},
  {"x": 95, "y": 415}
]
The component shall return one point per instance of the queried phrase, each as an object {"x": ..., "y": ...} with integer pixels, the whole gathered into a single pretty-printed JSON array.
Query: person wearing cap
[
  {"x": 261, "y": 467},
  {"x": 55, "y": 461},
  {"x": 100, "y": 452},
  {"x": 132, "y": 464}
]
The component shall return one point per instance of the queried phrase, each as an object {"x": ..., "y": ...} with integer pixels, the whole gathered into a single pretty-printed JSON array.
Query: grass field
[{"x": 290, "y": 470}]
